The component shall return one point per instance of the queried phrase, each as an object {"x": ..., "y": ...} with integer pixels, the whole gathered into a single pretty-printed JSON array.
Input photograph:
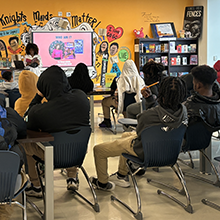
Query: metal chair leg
[
  {"x": 24, "y": 203},
  {"x": 138, "y": 215},
  {"x": 216, "y": 182},
  {"x": 179, "y": 173},
  {"x": 95, "y": 206},
  {"x": 211, "y": 204}
]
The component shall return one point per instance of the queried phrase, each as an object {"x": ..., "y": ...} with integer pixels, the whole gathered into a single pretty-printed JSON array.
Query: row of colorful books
[
  {"x": 192, "y": 60},
  {"x": 178, "y": 73},
  {"x": 162, "y": 59},
  {"x": 154, "y": 48},
  {"x": 182, "y": 48},
  {"x": 164, "y": 48}
]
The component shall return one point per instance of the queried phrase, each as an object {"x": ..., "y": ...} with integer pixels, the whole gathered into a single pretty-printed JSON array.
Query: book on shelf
[
  {"x": 184, "y": 60},
  {"x": 193, "y": 60},
  {"x": 152, "y": 48},
  {"x": 147, "y": 48},
  {"x": 172, "y": 46},
  {"x": 193, "y": 48},
  {"x": 164, "y": 60},
  {"x": 158, "y": 48},
  {"x": 178, "y": 60},
  {"x": 182, "y": 73},
  {"x": 173, "y": 61},
  {"x": 179, "y": 48},
  {"x": 174, "y": 74},
  {"x": 157, "y": 59},
  {"x": 164, "y": 47},
  {"x": 184, "y": 48}
]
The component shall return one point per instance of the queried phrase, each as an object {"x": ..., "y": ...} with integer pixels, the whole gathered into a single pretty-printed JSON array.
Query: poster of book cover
[{"x": 193, "y": 21}]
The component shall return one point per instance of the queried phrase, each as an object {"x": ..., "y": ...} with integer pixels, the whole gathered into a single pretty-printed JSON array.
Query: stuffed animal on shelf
[{"x": 139, "y": 34}]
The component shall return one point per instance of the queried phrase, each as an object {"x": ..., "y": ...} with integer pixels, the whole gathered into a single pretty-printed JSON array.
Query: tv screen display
[{"x": 65, "y": 49}]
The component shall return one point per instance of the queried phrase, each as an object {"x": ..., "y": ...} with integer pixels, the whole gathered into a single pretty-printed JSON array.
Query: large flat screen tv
[{"x": 64, "y": 48}]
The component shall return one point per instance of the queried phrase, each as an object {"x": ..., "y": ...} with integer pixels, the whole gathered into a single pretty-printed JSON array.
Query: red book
[{"x": 173, "y": 60}]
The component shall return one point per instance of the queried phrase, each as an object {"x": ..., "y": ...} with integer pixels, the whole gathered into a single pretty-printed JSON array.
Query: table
[
  {"x": 97, "y": 91},
  {"x": 42, "y": 140}
]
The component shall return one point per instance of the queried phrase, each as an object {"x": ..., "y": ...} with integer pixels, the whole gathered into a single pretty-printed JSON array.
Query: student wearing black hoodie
[
  {"x": 66, "y": 108},
  {"x": 170, "y": 113}
]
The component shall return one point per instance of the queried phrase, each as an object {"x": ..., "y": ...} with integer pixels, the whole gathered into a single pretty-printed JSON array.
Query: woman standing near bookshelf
[
  {"x": 32, "y": 59},
  {"x": 153, "y": 72}
]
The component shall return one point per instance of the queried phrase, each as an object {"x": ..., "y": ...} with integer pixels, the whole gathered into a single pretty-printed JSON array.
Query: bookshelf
[{"x": 179, "y": 55}]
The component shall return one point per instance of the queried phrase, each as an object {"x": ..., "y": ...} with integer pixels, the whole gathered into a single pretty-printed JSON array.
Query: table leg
[
  {"x": 205, "y": 166},
  {"x": 92, "y": 112},
  {"x": 49, "y": 181}
]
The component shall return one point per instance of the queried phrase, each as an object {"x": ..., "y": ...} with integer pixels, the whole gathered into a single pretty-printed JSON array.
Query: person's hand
[
  {"x": 40, "y": 94},
  {"x": 146, "y": 92}
]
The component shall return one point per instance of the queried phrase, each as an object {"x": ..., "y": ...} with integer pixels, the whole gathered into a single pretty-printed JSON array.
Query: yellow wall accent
[{"x": 127, "y": 14}]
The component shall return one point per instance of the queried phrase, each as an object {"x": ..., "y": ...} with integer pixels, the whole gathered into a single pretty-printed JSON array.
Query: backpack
[{"x": 8, "y": 136}]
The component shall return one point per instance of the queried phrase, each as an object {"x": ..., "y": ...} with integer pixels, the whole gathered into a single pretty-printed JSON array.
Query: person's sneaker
[
  {"x": 120, "y": 181},
  {"x": 105, "y": 124},
  {"x": 33, "y": 191},
  {"x": 72, "y": 184},
  {"x": 109, "y": 187}
]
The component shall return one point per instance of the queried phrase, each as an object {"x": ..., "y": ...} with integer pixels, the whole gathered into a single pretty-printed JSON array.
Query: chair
[
  {"x": 9, "y": 166},
  {"x": 209, "y": 203},
  {"x": 161, "y": 148},
  {"x": 128, "y": 99},
  {"x": 70, "y": 148},
  {"x": 198, "y": 137}
]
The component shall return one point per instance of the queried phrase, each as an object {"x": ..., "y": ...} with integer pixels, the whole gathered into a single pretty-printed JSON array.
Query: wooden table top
[{"x": 36, "y": 136}]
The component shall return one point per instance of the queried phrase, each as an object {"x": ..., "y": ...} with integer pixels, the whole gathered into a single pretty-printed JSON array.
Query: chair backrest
[
  {"x": 9, "y": 166},
  {"x": 161, "y": 148},
  {"x": 197, "y": 136},
  {"x": 128, "y": 99},
  {"x": 70, "y": 147}
]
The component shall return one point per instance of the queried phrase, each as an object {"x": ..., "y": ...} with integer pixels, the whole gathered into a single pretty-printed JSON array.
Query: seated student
[
  {"x": 10, "y": 87},
  {"x": 80, "y": 79},
  {"x": 28, "y": 88},
  {"x": 65, "y": 109},
  {"x": 8, "y": 81},
  {"x": 204, "y": 98},
  {"x": 170, "y": 112},
  {"x": 153, "y": 72},
  {"x": 129, "y": 81}
]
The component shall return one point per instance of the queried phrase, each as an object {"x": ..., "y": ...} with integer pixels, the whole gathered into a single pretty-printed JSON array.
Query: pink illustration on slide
[{"x": 113, "y": 33}]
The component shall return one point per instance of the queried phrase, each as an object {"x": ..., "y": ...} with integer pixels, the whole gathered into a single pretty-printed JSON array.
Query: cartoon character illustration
[
  {"x": 3, "y": 48},
  {"x": 139, "y": 34},
  {"x": 14, "y": 45},
  {"x": 114, "y": 48},
  {"x": 103, "y": 49}
]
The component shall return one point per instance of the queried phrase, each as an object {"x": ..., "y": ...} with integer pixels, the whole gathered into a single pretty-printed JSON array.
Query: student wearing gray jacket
[{"x": 170, "y": 113}]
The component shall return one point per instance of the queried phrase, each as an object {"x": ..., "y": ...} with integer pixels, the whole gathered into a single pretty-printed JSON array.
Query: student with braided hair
[
  {"x": 153, "y": 72},
  {"x": 170, "y": 112}
]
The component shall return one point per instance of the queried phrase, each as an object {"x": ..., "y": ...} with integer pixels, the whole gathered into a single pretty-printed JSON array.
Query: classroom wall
[{"x": 18, "y": 17}]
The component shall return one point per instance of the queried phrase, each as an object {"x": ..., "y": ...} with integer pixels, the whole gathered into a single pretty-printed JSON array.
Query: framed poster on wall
[
  {"x": 193, "y": 21},
  {"x": 160, "y": 30}
]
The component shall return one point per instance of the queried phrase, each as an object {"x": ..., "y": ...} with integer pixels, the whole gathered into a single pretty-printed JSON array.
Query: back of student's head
[
  {"x": 7, "y": 75},
  {"x": 172, "y": 92},
  {"x": 204, "y": 74},
  {"x": 153, "y": 71}
]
